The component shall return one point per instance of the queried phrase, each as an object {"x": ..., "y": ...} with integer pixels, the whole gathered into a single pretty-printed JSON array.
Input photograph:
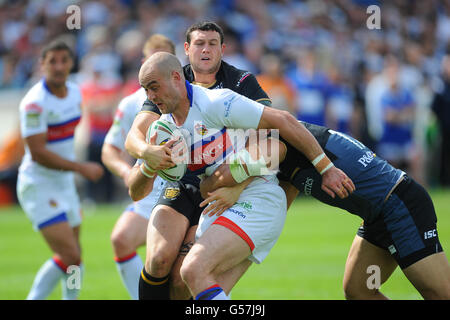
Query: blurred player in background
[
  {"x": 129, "y": 233},
  {"x": 49, "y": 114}
]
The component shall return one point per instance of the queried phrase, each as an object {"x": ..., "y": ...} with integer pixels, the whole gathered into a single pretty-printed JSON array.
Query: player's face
[
  {"x": 56, "y": 67},
  {"x": 162, "y": 92},
  {"x": 205, "y": 51}
]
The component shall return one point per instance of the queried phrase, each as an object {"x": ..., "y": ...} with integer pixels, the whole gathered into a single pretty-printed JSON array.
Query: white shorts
[
  {"x": 257, "y": 217},
  {"x": 49, "y": 202},
  {"x": 145, "y": 206}
]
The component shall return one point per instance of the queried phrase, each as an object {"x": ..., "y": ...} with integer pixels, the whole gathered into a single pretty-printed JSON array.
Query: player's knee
[
  {"x": 70, "y": 256},
  {"x": 159, "y": 261},
  {"x": 121, "y": 244},
  {"x": 195, "y": 267},
  {"x": 348, "y": 290},
  {"x": 352, "y": 294},
  {"x": 352, "y": 291},
  {"x": 357, "y": 292},
  {"x": 187, "y": 272},
  {"x": 190, "y": 270}
]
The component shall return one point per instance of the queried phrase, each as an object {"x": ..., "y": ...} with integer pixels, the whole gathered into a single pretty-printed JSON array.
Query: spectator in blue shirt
[
  {"x": 396, "y": 144},
  {"x": 340, "y": 110},
  {"x": 312, "y": 85}
]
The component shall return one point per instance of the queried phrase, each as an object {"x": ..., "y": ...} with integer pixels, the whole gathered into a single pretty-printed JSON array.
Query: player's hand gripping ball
[{"x": 165, "y": 131}]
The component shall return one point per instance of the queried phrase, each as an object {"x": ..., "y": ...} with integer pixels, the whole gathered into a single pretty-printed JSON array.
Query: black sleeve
[
  {"x": 249, "y": 87},
  {"x": 282, "y": 176},
  {"x": 150, "y": 106}
]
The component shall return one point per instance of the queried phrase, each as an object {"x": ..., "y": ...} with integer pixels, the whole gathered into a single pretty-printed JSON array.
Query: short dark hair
[
  {"x": 56, "y": 45},
  {"x": 204, "y": 26}
]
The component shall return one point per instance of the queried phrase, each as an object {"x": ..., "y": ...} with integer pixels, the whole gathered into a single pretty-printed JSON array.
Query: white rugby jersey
[
  {"x": 212, "y": 112},
  {"x": 124, "y": 117},
  {"x": 43, "y": 112}
]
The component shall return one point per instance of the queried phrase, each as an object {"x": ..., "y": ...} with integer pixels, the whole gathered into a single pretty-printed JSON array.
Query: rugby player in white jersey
[
  {"x": 176, "y": 215},
  {"x": 226, "y": 245},
  {"x": 49, "y": 114},
  {"x": 130, "y": 230}
]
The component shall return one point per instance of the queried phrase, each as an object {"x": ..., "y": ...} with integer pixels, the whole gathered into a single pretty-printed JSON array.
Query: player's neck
[
  {"x": 205, "y": 79},
  {"x": 181, "y": 113},
  {"x": 57, "y": 90}
]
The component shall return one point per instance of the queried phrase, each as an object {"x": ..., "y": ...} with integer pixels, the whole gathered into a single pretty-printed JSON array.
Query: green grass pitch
[{"x": 306, "y": 263}]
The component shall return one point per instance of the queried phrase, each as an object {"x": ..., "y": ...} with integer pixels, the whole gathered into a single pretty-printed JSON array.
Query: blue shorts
[{"x": 407, "y": 225}]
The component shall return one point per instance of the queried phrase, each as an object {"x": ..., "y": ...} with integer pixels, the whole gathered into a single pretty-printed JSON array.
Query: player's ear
[
  {"x": 176, "y": 75},
  {"x": 72, "y": 63},
  {"x": 42, "y": 64},
  {"x": 186, "y": 48},
  {"x": 223, "y": 48}
]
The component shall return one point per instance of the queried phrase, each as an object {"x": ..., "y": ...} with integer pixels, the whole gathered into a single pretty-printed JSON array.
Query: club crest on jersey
[
  {"x": 171, "y": 193},
  {"x": 208, "y": 150},
  {"x": 163, "y": 142},
  {"x": 201, "y": 129},
  {"x": 33, "y": 113},
  {"x": 53, "y": 203}
]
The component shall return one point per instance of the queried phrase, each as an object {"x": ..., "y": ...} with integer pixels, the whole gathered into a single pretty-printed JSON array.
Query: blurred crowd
[{"x": 388, "y": 87}]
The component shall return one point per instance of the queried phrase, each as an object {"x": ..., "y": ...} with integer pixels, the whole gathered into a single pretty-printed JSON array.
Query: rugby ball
[{"x": 165, "y": 131}]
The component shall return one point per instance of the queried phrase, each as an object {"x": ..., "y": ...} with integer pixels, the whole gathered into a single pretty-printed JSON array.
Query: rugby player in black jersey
[
  {"x": 399, "y": 226},
  {"x": 178, "y": 210}
]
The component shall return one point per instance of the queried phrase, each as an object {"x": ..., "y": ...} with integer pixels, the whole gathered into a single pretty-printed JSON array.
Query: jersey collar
[
  {"x": 44, "y": 83},
  {"x": 189, "y": 92}
]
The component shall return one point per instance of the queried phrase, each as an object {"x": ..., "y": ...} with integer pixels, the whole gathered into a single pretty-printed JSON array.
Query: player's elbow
[
  {"x": 287, "y": 117},
  {"x": 139, "y": 189},
  {"x": 286, "y": 121},
  {"x": 105, "y": 156},
  {"x": 128, "y": 144},
  {"x": 38, "y": 155},
  {"x": 135, "y": 193},
  {"x": 276, "y": 119}
]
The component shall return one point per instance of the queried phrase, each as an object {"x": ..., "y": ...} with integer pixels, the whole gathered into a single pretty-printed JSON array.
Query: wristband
[
  {"x": 149, "y": 168},
  {"x": 326, "y": 168},
  {"x": 322, "y": 163},
  {"x": 317, "y": 159},
  {"x": 145, "y": 173}
]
